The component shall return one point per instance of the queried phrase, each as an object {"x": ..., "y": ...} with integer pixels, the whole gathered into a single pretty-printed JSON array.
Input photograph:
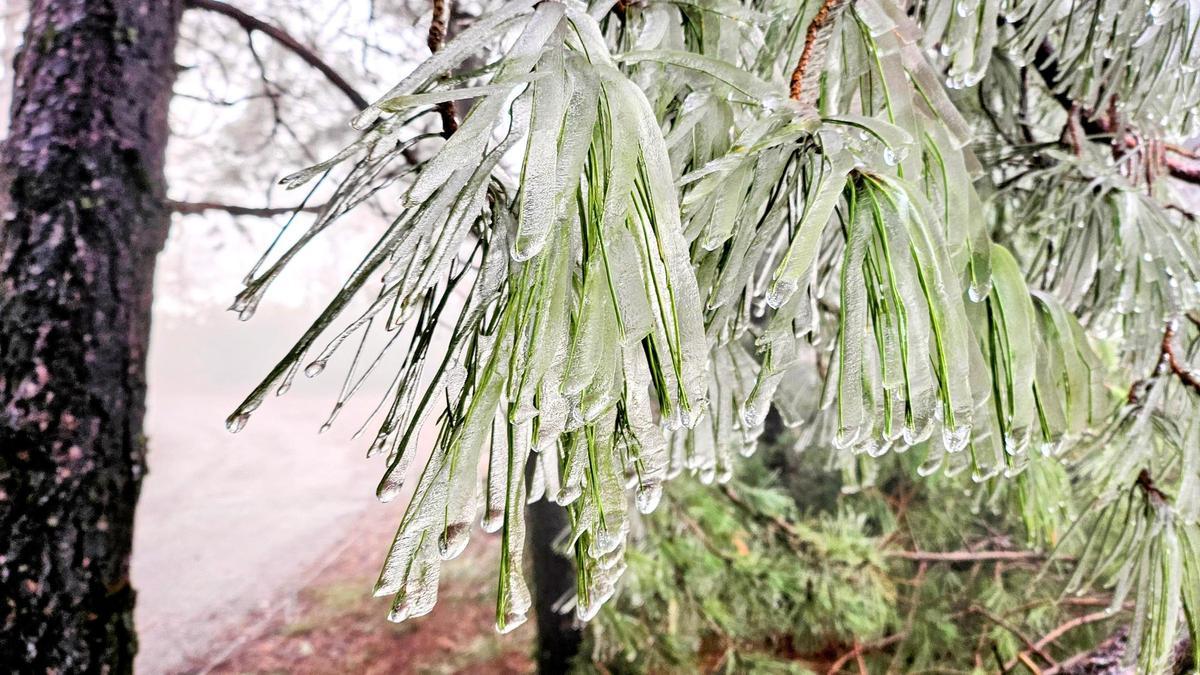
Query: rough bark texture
[
  {"x": 558, "y": 638},
  {"x": 1108, "y": 657},
  {"x": 83, "y": 216}
]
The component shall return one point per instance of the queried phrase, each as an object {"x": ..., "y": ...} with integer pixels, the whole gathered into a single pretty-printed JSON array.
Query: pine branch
[
  {"x": 1169, "y": 361},
  {"x": 819, "y": 22},
  {"x": 253, "y": 23},
  {"x": 191, "y": 208},
  {"x": 1060, "y": 631},
  {"x": 1180, "y": 162}
]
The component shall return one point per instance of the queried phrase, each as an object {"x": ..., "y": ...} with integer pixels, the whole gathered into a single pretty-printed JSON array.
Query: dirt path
[{"x": 231, "y": 527}]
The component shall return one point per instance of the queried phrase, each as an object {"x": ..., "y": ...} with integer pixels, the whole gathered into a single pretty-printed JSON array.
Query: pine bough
[{"x": 642, "y": 243}]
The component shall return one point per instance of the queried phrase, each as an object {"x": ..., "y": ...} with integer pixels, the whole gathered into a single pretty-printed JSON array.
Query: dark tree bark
[
  {"x": 83, "y": 217},
  {"x": 558, "y": 638},
  {"x": 1107, "y": 658}
]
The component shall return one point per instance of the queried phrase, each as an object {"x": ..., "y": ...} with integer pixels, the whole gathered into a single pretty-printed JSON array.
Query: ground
[
  {"x": 256, "y": 552},
  {"x": 258, "y": 555},
  {"x": 334, "y": 627}
]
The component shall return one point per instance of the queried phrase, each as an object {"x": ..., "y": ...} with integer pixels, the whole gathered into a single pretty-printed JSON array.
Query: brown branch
[
  {"x": 253, "y": 23},
  {"x": 1032, "y": 647},
  {"x": 1058, "y": 632},
  {"x": 1146, "y": 484},
  {"x": 191, "y": 208},
  {"x": 968, "y": 556},
  {"x": 435, "y": 40},
  {"x": 1180, "y": 162},
  {"x": 1169, "y": 361},
  {"x": 776, "y": 520},
  {"x": 822, "y": 18},
  {"x": 882, "y": 643}
]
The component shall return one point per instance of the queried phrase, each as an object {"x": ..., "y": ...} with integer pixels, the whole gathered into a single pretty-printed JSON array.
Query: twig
[
  {"x": 253, "y": 23},
  {"x": 1170, "y": 359},
  {"x": 856, "y": 653},
  {"x": 189, "y": 208},
  {"x": 818, "y": 23},
  {"x": 967, "y": 556},
  {"x": 1168, "y": 362},
  {"x": 1146, "y": 484},
  {"x": 1033, "y": 667},
  {"x": 435, "y": 40},
  {"x": 1053, "y": 635},
  {"x": 999, "y": 621}
]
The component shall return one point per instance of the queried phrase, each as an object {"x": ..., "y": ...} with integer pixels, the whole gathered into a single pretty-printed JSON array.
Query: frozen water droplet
[
  {"x": 493, "y": 520},
  {"x": 649, "y": 494},
  {"x": 954, "y": 440},
  {"x": 780, "y": 292},
  {"x": 453, "y": 540},
  {"x": 978, "y": 290},
  {"x": 569, "y": 493},
  {"x": 510, "y": 622},
  {"x": 400, "y": 612},
  {"x": 237, "y": 421}
]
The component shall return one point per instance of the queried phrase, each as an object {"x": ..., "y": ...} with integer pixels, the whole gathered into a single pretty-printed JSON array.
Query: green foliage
[
  {"x": 739, "y": 574},
  {"x": 721, "y": 582}
]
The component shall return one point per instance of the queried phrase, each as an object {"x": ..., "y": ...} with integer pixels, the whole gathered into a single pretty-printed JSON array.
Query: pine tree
[{"x": 948, "y": 230}]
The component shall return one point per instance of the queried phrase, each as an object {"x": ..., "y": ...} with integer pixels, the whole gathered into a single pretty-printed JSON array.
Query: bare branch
[
  {"x": 968, "y": 556},
  {"x": 191, "y": 208},
  {"x": 253, "y": 23},
  {"x": 1061, "y": 630}
]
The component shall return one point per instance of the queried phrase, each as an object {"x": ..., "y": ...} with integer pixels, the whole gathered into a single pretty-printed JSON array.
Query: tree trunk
[
  {"x": 83, "y": 217},
  {"x": 558, "y": 638}
]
